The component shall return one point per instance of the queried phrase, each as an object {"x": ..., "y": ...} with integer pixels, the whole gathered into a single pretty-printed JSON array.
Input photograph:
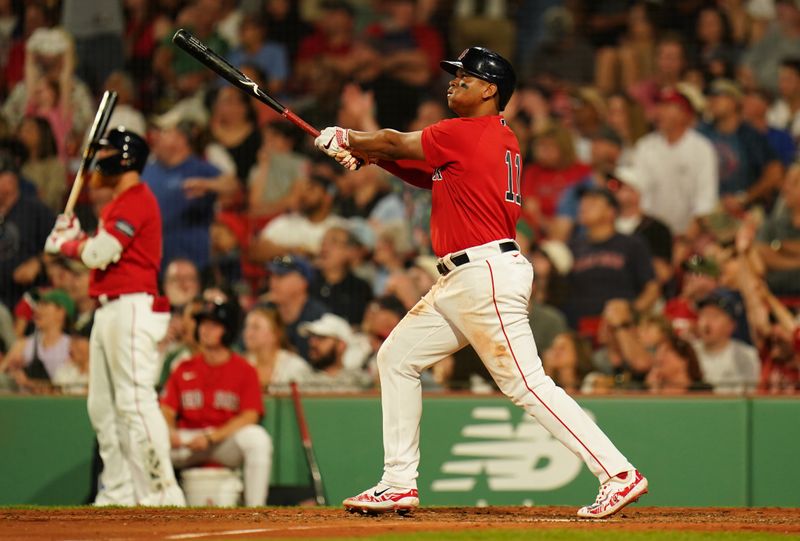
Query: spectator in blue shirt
[
  {"x": 749, "y": 170},
  {"x": 755, "y": 105},
  {"x": 270, "y": 57},
  {"x": 186, "y": 187}
]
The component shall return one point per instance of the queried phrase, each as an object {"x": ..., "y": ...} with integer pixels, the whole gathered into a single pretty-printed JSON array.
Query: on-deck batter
[
  {"x": 125, "y": 255},
  {"x": 482, "y": 296}
]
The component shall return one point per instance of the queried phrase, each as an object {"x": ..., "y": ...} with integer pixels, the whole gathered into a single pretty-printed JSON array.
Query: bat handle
[{"x": 300, "y": 123}]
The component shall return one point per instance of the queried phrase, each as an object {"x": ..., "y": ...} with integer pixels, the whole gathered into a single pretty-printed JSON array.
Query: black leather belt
[{"x": 462, "y": 258}]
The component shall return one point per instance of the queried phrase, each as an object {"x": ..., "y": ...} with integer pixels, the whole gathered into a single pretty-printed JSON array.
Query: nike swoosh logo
[
  {"x": 326, "y": 147},
  {"x": 376, "y": 493}
]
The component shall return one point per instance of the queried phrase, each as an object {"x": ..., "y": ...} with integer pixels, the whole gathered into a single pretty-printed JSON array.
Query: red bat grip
[{"x": 300, "y": 123}]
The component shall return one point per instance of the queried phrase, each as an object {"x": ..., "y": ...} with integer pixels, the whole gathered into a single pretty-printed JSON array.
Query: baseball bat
[
  {"x": 196, "y": 48},
  {"x": 99, "y": 127},
  {"x": 305, "y": 436}
]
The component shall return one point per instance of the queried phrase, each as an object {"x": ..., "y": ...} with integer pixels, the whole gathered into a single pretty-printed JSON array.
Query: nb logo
[{"x": 437, "y": 174}]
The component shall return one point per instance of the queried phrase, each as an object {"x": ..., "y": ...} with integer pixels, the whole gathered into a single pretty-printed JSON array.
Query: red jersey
[
  {"x": 133, "y": 218},
  {"x": 476, "y": 182},
  {"x": 205, "y": 396}
]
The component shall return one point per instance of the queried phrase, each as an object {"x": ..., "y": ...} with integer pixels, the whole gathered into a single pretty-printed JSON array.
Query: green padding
[
  {"x": 776, "y": 452},
  {"x": 475, "y": 450}
]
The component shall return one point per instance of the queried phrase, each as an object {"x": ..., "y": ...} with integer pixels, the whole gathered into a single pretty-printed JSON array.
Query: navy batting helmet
[
  {"x": 131, "y": 155},
  {"x": 486, "y": 64},
  {"x": 225, "y": 313}
]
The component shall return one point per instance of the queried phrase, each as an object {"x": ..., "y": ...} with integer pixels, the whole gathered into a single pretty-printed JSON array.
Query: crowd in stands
[{"x": 659, "y": 179}]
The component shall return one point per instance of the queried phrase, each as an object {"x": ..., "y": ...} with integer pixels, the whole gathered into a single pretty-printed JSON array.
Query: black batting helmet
[
  {"x": 131, "y": 155},
  {"x": 486, "y": 64},
  {"x": 226, "y": 313}
]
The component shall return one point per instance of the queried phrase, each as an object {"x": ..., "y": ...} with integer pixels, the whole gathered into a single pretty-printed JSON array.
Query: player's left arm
[
  {"x": 96, "y": 252},
  {"x": 385, "y": 144}
]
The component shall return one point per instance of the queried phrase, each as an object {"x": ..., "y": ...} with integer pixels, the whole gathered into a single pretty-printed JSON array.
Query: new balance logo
[
  {"x": 511, "y": 457},
  {"x": 437, "y": 174}
]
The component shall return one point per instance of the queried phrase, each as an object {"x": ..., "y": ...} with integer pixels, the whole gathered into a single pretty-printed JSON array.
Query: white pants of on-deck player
[
  {"x": 249, "y": 447},
  {"x": 123, "y": 406},
  {"x": 483, "y": 303}
]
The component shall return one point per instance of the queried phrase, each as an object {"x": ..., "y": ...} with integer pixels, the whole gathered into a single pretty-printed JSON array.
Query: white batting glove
[
  {"x": 68, "y": 226},
  {"x": 332, "y": 140}
]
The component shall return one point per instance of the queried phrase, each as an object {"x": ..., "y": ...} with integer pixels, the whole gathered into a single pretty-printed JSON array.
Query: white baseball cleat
[
  {"x": 615, "y": 494},
  {"x": 383, "y": 499}
]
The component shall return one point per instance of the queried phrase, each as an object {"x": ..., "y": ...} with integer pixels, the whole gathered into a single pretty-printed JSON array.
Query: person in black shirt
[
  {"x": 25, "y": 223},
  {"x": 608, "y": 265},
  {"x": 631, "y": 220},
  {"x": 343, "y": 292}
]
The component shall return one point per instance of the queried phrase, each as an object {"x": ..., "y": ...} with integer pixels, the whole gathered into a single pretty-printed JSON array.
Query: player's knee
[{"x": 255, "y": 439}]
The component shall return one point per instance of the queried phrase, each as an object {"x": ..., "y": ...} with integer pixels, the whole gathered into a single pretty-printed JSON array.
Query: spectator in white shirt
[
  {"x": 677, "y": 166},
  {"x": 728, "y": 365},
  {"x": 299, "y": 232}
]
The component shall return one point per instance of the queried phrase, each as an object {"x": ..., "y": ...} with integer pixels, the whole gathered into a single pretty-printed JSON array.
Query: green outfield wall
[{"x": 475, "y": 450}]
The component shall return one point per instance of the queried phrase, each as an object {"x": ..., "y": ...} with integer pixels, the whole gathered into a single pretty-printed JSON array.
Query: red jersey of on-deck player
[
  {"x": 476, "y": 182},
  {"x": 206, "y": 396},
  {"x": 133, "y": 218}
]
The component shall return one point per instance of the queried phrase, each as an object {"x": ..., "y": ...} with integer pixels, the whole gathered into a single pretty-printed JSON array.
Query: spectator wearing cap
[
  {"x": 607, "y": 264},
  {"x": 632, "y": 220},
  {"x": 271, "y": 57},
  {"x": 728, "y": 365},
  {"x": 34, "y": 361},
  {"x": 77, "y": 287},
  {"x": 335, "y": 285},
  {"x": 670, "y": 67},
  {"x": 700, "y": 277},
  {"x": 778, "y": 238},
  {"x": 290, "y": 277},
  {"x": 186, "y": 187},
  {"x": 755, "y": 109},
  {"x": 25, "y": 223},
  {"x": 606, "y": 149},
  {"x": 785, "y": 111},
  {"x": 72, "y": 377},
  {"x": 50, "y": 67},
  {"x": 301, "y": 231},
  {"x": 781, "y": 40},
  {"x": 328, "y": 340},
  {"x": 677, "y": 166},
  {"x": 748, "y": 168}
]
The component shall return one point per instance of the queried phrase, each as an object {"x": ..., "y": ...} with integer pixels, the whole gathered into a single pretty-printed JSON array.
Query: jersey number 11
[{"x": 511, "y": 195}]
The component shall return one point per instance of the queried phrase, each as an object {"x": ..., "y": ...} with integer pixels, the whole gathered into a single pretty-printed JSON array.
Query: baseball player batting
[
  {"x": 481, "y": 297},
  {"x": 124, "y": 257}
]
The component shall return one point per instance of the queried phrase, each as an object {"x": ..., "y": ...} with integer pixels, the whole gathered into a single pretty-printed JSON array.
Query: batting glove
[
  {"x": 55, "y": 240},
  {"x": 332, "y": 140},
  {"x": 68, "y": 226}
]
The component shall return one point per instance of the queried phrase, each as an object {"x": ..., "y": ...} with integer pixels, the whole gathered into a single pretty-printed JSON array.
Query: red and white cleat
[
  {"x": 614, "y": 495},
  {"x": 383, "y": 499}
]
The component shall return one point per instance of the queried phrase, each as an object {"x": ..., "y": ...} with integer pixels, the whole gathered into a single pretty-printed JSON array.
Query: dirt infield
[{"x": 292, "y": 523}]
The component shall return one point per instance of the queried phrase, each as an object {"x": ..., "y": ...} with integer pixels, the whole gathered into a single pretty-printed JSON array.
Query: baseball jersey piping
[{"x": 514, "y": 356}]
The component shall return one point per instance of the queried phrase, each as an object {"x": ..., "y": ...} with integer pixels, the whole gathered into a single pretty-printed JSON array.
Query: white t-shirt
[
  {"x": 680, "y": 181},
  {"x": 734, "y": 369},
  {"x": 52, "y": 357},
  {"x": 295, "y": 231},
  {"x": 780, "y": 116},
  {"x": 289, "y": 367}
]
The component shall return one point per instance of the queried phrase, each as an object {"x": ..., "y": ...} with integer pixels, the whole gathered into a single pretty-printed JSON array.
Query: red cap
[{"x": 671, "y": 95}]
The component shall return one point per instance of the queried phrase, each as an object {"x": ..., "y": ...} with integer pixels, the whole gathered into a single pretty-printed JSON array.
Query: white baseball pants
[
  {"x": 483, "y": 303},
  {"x": 249, "y": 447},
  {"x": 123, "y": 407}
]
